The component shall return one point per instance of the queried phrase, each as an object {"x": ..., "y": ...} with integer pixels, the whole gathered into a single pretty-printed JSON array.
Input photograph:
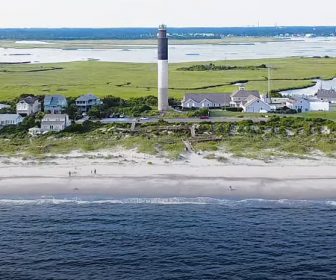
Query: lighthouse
[{"x": 162, "y": 69}]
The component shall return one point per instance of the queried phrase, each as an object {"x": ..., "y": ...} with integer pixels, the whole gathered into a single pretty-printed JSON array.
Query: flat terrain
[
  {"x": 131, "y": 80},
  {"x": 111, "y": 44}
]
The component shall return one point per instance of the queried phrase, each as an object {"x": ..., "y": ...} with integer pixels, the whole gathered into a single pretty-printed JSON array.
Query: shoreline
[{"x": 126, "y": 174}]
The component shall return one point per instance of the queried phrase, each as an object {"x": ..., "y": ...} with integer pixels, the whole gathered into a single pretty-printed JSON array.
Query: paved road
[{"x": 180, "y": 120}]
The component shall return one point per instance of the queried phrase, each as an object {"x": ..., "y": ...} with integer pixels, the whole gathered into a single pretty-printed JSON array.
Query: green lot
[{"x": 131, "y": 80}]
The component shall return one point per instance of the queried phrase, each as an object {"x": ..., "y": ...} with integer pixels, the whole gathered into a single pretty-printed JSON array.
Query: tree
[
  {"x": 95, "y": 112},
  {"x": 73, "y": 112}
]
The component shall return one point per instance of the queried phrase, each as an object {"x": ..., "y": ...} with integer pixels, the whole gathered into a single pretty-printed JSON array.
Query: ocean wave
[
  {"x": 331, "y": 203},
  {"x": 169, "y": 201}
]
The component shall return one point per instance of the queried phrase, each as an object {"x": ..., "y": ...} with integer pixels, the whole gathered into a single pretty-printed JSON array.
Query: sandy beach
[{"x": 131, "y": 174}]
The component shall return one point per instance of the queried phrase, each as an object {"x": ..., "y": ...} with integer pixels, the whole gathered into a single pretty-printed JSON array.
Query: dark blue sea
[{"x": 149, "y": 239}]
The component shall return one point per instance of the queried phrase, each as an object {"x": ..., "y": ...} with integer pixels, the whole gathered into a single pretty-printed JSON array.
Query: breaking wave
[{"x": 170, "y": 201}]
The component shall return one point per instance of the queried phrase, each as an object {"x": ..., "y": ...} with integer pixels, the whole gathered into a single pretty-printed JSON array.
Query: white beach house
[
  {"x": 207, "y": 100},
  {"x": 255, "y": 105},
  {"x": 55, "y": 122},
  {"x": 28, "y": 106},
  {"x": 4, "y": 106},
  {"x": 10, "y": 119},
  {"x": 305, "y": 104},
  {"x": 240, "y": 97}
]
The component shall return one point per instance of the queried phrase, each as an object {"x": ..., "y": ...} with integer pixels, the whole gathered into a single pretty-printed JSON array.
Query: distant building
[
  {"x": 207, "y": 100},
  {"x": 55, "y": 104},
  {"x": 4, "y": 106},
  {"x": 55, "y": 122},
  {"x": 86, "y": 102},
  {"x": 326, "y": 95},
  {"x": 305, "y": 104},
  {"x": 10, "y": 119},
  {"x": 239, "y": 98},
  {"x": 34, "y": 131},
  {"x": 256, "y": 105},
  {"x": 28, "y": 106},
  {"x": 277, "y": 102}
]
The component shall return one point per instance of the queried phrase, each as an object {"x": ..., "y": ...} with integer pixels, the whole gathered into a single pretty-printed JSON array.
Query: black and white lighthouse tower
[{"x": 163, "y": 69}]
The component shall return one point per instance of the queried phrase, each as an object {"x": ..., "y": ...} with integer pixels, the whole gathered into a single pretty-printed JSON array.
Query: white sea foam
[
  {"x": 167, "y": 201},
  {"x": 331, "y": 203},
  {"x": 33, "y": 43}
]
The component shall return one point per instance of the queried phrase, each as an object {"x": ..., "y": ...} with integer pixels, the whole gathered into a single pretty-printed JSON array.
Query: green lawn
[
  {"x": 322, "y": 115},
  {"x": 130, "y": 80}
]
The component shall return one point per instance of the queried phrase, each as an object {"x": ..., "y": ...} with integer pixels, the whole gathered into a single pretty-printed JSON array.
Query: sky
[{"x": 174, "y": 13}]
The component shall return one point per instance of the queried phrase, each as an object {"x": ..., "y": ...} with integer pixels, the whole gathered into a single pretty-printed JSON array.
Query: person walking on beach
[
  {"x": 95, "y": 172},
  {"x": 69, "y": 173}
]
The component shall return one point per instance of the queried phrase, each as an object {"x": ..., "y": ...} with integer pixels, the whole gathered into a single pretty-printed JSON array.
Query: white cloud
[{"x": 140, "y": 13}]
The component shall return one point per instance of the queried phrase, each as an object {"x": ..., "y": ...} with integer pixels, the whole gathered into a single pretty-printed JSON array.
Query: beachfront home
[
  {"x": 326, "y": 95},
  {"x": 28, "y": 106},
  {"x": 86, "y": 102},
  {"x": 55, "y": 104},
  {"x": 206, "y": 100},
  {"x": 239, "y": 97},
  {"x": 55, "y": 122},
  {"x": 306, "y": 104},
  {"x": 255, "y": 105},
  {"x": 10, "y": 119}
]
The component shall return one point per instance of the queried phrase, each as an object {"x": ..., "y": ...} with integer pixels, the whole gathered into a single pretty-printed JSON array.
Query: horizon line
[{"x": 173, "y": 27}]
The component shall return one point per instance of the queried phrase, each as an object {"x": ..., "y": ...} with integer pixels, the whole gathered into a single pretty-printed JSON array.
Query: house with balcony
[
  {"x": 28, "y": 106},
  {"x": 86, "y": 102},
  {"x": 55, "y": 104}
]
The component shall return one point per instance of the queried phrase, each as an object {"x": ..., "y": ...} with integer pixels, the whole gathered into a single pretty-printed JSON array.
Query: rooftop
[
  {"x": 245, "y": 93},
  {"x": 9, "y": 117},
  {"x": 29, "y": 100},
  {"x": 87, "y": 97},
  {"x": 213, "y": 97}
]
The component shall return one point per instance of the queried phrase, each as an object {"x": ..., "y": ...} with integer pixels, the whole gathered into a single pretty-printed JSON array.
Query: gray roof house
[
  {"x": 326, "y": 95},
  {"x": 55, "y": 103},
  {"x": 10, "y": 119},
  {"x": 87, "y": 101},
  {"x": 241, "y": 96},
  {"x": 28, "y": 106},
  {"x": 206, "y": 100},
  {"x": 55, "y": 122}
]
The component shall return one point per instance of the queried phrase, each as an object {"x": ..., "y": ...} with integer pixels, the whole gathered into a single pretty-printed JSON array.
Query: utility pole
[{"x": 269, "y": 97}]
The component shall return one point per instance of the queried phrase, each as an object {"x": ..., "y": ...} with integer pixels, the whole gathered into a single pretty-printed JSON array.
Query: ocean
[
  {"x": 150, "y": 33},
  {"x": 200, "y": 238}
]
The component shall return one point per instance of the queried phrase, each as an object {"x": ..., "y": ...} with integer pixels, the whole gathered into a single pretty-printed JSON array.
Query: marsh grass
[{"x": 128, "y": 80}]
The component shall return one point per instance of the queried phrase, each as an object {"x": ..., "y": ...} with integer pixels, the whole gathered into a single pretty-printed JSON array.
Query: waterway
[
  {"x": 310, "y": 91},
  {"x": 305, "y": 47}
]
